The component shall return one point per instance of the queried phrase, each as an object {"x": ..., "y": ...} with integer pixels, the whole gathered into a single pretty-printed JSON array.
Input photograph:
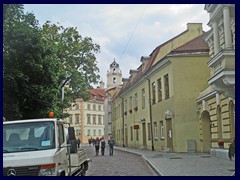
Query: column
[
  {"x": 227, "y": 27},
  {"x": 216, "y": 38}
]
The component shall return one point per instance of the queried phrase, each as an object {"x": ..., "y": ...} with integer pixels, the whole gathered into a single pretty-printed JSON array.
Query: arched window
[
  {"x": 219, "y": 121},
  {"x": 114, "y": 80},
  {"x": 232, "y": 119}
]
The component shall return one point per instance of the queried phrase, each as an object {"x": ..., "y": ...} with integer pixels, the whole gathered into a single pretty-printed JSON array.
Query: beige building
[
  {"x": 217, "y": 101},
  {"x": 87, "y": 118},
  {"x": 156, "y": 108}
]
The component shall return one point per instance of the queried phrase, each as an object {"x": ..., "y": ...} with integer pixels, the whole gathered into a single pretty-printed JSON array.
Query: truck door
[{"x": 62, "y": 153}]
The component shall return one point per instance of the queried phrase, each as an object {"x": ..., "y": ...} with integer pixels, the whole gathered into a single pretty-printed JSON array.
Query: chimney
[
  {"x": 125, "y": 81},
  {"x": 145, "y": 60},
  {"x": 133, "y": 74},
  {"x": 194, "y": 27}
]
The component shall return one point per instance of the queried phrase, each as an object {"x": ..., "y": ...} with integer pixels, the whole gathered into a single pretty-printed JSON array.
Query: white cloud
[{"x": 116, "y": 27}]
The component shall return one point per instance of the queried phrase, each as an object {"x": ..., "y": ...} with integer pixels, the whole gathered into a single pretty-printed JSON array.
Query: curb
[{"x": 149, "y": 163}]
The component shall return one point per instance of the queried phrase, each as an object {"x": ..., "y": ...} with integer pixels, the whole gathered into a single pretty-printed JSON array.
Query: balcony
[{"x": 223, "y": 72}]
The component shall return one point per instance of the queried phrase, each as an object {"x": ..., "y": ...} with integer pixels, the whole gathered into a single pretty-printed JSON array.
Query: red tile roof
[
  {"x": 97, "y": 94},
  {"x": 198, "y": 44}
]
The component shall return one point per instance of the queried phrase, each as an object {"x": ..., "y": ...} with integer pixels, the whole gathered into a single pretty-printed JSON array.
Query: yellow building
[
  {"x": 87, "y": 118},
  {"x": 217, "y": 102},
  {"x": 156, "y": 108}
]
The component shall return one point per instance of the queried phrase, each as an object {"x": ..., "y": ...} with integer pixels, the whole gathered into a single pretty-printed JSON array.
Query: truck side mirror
[{"x": 71, "y": 133}]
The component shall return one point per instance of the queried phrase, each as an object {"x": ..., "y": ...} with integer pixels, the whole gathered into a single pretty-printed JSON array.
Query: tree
[
  {"x": 36, "y": 62},
  {"x": 23, "y": 66},
  {"x": 74, "y": 59}
]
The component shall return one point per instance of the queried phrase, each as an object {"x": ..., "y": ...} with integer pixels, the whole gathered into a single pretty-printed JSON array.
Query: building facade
[
  {"x": 114, "y": 75},
  {"x": 156, "y": 108},
  {"x": 87, "y": 118},
  {"x": 217, "y": 101},
  {"x": 114, "y": 82}
]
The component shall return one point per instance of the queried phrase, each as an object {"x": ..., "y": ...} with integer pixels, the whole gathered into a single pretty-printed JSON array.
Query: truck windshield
[{"x": 28, "y": 136}]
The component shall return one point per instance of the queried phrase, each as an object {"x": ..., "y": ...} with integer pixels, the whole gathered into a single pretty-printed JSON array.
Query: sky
[{"x": 125, "y": 32}]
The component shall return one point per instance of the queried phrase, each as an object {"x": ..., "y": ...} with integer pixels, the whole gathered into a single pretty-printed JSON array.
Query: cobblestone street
[{"x": 120, "y": 164}]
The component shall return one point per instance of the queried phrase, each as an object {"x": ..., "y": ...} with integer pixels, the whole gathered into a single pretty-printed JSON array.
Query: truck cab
[{"x": 39, "y": 147}]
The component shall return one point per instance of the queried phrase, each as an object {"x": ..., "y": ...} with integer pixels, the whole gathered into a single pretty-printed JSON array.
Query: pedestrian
[
  {"x": 103, "y": 143},
  {"x": 78, "y": 142},
  {"x": 97, "y": 143},
  {"x": 89, "y": 142},
  {"x": 111, "y": 143}
]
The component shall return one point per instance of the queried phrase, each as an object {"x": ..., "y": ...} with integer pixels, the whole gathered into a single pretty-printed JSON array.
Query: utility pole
[{"x": 123, "y": 119}]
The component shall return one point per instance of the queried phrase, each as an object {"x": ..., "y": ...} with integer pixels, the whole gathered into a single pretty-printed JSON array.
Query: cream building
[
  {"x": 156, "y": 108},
  {"x": 217, "y": 101},
  {"x": 87, "y": 118}
]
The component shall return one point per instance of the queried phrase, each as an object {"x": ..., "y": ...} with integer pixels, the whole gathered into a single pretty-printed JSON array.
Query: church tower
[{"x": 114, "y": 75}]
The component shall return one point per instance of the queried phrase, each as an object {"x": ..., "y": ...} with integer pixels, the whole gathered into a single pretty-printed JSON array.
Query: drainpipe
[
  {"x": 150, "y": 112},
  {"x": 123, "y": 118}
]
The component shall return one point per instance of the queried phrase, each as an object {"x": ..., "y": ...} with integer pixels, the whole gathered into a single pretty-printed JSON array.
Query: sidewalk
[{"x": 184, "y": 164}]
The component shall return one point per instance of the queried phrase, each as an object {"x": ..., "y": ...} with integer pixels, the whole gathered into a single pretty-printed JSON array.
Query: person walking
[
  {"x": 103, "y": 143},
  {"x": 78, "y": 143},
  {"x": 89, "y": 141},
  {"x": 97, "y": 143},
  {"x": 111, "y": 143}
]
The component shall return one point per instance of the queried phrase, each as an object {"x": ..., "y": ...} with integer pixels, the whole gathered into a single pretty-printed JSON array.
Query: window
[
  {"x": 166, "y": 84},
  {"x": 88, "y": 107},
  {"x": 126, "y": 105},
  {"x": 137, "y": 135},
  {"x": 114, "y": 80},
  {"x": 99, "y": 120},
  {"x": 60, "y": 134},
  {"x": 159, "y": 81},
  {"x": 143, "y": 98},
  {"x": 153, "y": 93},
  {"x": 219, "y": 122},
  {"x": 94, "y": 107},
  {"x": 94, "y": 120},
  {"x": 89, "y": 134},
  {"x": 76, "y": 119},
  {"x": 94, "y": 132},
  {"x": 130, "y": 102},
  {"x": 131, "y": 131},
  {"x": 161, "y": 130},
  {"x": 155, "y": 131},
  {"x": 99, "y": 132},
  {"x": 99, "y": 107},
  {"x": 78, "y": 132},
  {"x": 136, "y": 100},
  {"x": 88, "y": 119},
  {"x": 149, "y": 132}
]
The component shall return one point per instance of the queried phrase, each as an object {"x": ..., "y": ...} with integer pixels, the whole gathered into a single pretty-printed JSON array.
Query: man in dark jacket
[
  {"x": 97, "y": 144},
  {"x": 103, "y": 143},
  {"x": 111, "y": 143}
]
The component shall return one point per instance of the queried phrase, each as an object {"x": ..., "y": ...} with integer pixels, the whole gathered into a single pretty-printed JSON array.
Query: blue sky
[{"x": 124, "y": 31}]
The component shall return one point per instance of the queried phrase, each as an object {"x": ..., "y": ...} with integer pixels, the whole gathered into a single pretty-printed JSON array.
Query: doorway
[
  {"x": 144, "y": 134},
  {"x": 169, "y": 134}
]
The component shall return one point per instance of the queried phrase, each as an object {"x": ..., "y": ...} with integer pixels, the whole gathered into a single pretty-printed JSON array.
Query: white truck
[{"x": 42, "y": 147}]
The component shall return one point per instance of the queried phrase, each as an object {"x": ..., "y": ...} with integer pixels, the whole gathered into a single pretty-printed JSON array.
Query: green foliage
[{"x": 37, "y": 61}]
